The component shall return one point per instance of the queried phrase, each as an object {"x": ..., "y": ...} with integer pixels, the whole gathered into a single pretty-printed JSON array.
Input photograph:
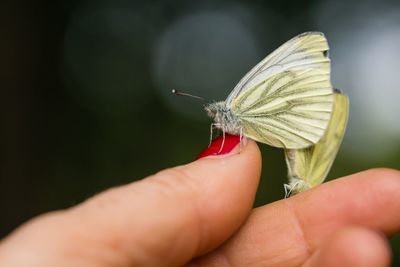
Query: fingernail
[{"x": 231, "y": 141}]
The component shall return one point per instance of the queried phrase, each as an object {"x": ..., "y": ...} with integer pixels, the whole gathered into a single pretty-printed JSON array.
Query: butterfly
[
  {"x": 286, "y": 100},
  {"x": 309, "y": 167}
]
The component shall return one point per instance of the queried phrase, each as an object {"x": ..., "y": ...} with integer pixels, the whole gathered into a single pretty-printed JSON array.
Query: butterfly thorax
[{"x": 224, "y": 118}]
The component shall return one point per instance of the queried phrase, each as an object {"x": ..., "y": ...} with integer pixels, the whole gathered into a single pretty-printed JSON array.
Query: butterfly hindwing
[{"x": 309, "y": 167}]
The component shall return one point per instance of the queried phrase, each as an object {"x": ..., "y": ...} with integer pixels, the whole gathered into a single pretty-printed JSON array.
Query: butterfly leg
[
  {"x": 240, "y": 139},
  {"x": 288, "y": 190},
  {"x": 294, "y": 185},
  {"x": 211, "y": 134},
  {"x": 212, "y": 131},
  {"x": 223, "y": 140}
]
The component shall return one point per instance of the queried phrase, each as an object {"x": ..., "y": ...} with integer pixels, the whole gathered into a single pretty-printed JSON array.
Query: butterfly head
[{"x": 216, "y": 110}]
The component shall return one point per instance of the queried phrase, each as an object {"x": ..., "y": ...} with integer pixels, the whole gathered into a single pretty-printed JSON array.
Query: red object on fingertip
[{"x": 215, "y": 148}]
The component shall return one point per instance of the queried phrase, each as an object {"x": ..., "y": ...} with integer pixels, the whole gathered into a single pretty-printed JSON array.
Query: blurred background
[{"x": 85, "y": 89}]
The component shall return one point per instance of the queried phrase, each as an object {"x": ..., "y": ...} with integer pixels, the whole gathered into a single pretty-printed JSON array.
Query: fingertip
[
  {"x": 254, "y": 152},
  {"x": 243, "y": 162},
  {"x": 383, "y": 172},
  {"x": 352, "y": 247},
  {"x": 231, "y": 145},
  {"x": 223, "y": 145},
  {"x": 382, "y": 180},
  {"x": 225, "y": 187},
  {"x": 369, "y": 198}
]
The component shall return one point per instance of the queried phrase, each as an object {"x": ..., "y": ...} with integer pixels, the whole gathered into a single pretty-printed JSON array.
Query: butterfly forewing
[
  {"x": 307, "y": 50},
  {"x": 290, "y": 109}
]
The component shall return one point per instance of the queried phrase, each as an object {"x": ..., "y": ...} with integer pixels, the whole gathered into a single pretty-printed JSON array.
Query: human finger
[
  {"x": 287, "y": 232},
  {"x": 163, "y": 220},
  {"x": 352, "y": 247}
]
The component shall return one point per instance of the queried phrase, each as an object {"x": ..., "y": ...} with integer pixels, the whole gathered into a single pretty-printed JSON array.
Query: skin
[{"x": 200, "y": 214}]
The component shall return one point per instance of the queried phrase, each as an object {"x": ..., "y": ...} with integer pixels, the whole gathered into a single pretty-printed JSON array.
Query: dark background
[{"x": 85, "y": 89}]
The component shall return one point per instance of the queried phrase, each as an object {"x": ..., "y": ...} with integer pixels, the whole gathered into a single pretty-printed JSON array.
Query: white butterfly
[
  {"x": 309, "y": 167},
  {"x": 285, "y": 100}
]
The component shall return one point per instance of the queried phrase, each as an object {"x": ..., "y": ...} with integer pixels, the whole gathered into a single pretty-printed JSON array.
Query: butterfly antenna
[{"x": 179, "y": 93}]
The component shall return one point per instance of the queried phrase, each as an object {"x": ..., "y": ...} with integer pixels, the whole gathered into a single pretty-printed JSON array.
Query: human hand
[{"x": 200, "y": 214}]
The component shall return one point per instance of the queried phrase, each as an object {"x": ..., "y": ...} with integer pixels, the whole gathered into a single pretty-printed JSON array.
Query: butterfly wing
[
  {"x": 309, "y": 167},
  {"x": 290, "y": 109},
  {"x": 307, "y": 50}
]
